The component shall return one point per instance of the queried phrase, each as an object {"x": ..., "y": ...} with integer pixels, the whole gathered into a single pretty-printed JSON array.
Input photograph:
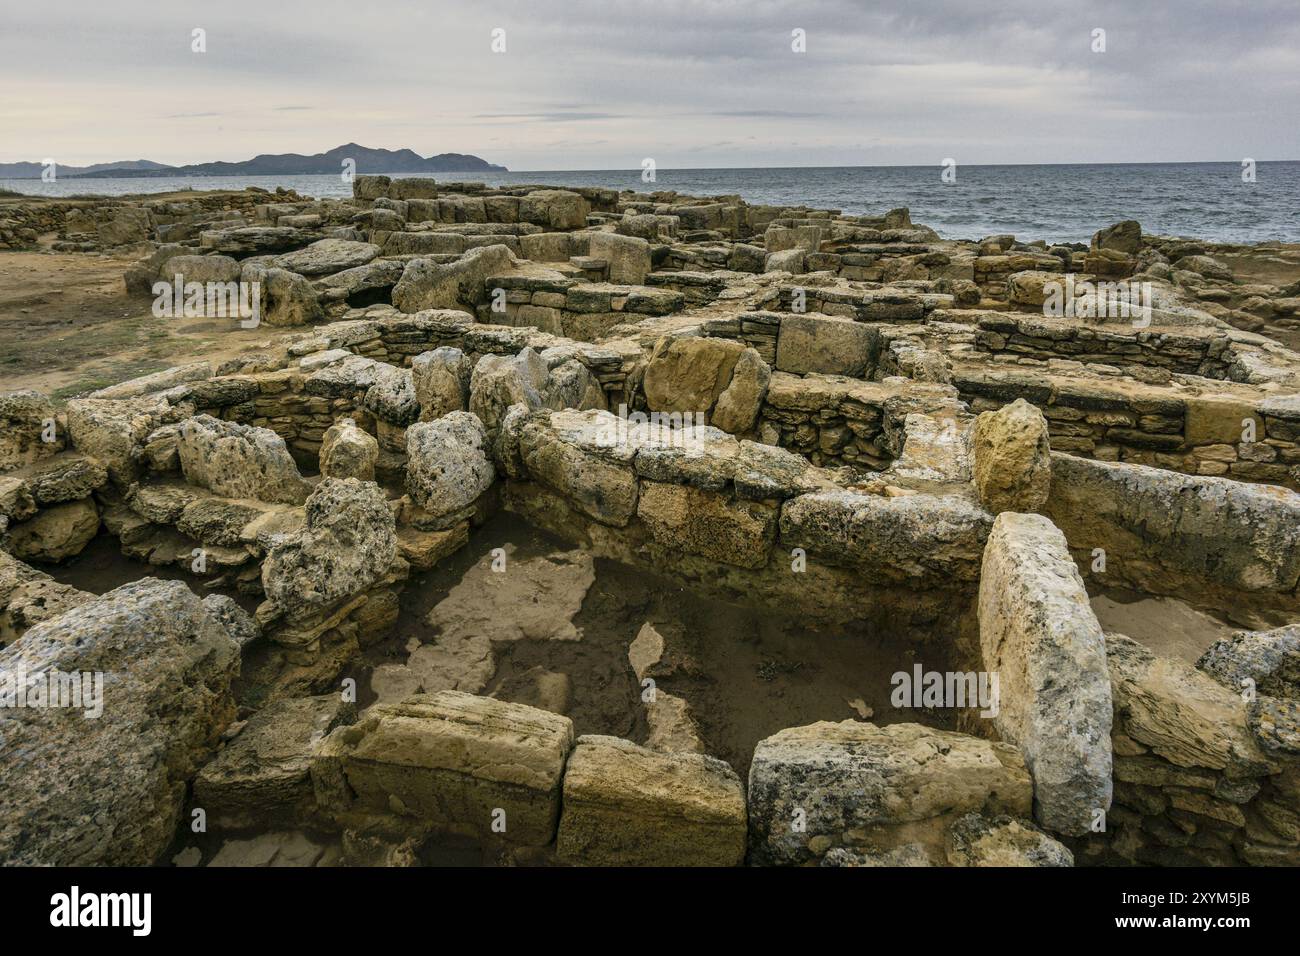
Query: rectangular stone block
[
  {"x": 452, "y": 761},
  {"x": 625, "y": 805},
  {"x": 825, "y": 344}
]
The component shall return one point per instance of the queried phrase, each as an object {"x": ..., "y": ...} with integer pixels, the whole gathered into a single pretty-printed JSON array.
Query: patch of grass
[{"x": 102, "y": 378}]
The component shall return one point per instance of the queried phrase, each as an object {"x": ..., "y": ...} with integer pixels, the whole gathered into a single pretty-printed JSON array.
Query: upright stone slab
[
  {"x": 1039, "y": 635},
  {"x": 625, "y": 805}
]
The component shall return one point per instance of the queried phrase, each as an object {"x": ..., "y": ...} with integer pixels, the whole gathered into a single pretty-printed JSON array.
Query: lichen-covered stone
[{"x": 109, "y": 789}]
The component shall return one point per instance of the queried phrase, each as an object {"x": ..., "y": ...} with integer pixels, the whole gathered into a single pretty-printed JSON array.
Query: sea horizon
[{"x": 1054, "y": 202}]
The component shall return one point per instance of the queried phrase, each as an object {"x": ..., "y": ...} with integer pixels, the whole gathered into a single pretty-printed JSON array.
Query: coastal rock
[
  {"x": 348, "y": 543},
  {"x": 1012, "y": 458},
  {"x": 109, "y": 789},
  {"x": 447, "y": 464},
  {"x": 239, "y": 461}
]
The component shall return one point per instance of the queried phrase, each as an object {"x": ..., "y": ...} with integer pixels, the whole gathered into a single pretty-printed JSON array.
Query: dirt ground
[
  {"x": 67, "y": 326},
  {"x": 746, "y": 673}
]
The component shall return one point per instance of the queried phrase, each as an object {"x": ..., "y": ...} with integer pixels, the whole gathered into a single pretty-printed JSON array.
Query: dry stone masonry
[{"x": 954, "y": 443}]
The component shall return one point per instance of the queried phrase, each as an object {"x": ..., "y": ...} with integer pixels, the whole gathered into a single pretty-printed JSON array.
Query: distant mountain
[
  {"x": 33, "y": 170},
  {"x": 279, "y": 164}
]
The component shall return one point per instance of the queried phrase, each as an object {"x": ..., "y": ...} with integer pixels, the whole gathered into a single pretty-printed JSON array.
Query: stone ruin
[{"x": 843, "y": 417}]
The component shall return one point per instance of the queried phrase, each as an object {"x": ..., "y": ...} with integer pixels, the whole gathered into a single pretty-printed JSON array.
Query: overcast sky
[{"x": 597, "y": 84}]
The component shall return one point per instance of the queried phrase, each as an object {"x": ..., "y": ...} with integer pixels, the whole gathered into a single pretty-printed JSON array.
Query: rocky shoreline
[{"x": 845, "y": 418}]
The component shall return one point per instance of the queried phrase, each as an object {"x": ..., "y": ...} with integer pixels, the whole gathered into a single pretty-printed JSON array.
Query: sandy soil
[
  {"x": 745, "y": 673},
  {"x": 67, "y": 326},
  {"x": 1166, "y": 625}
]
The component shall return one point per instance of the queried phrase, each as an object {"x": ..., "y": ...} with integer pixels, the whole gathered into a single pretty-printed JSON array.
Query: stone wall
[{"x": 1223, "y": 544}]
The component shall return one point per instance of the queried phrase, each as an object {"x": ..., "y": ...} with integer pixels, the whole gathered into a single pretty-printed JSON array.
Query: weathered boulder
[
  {"x": 204, "y": 269},
  {"x": 499, "y": 381},
  {"x": 583, "y": 457},
  {"x": 26, "y": 420},
  {"x": 1161, "y": 529},
  {"x": 706, "y": 523},
  {"x": 1268, "y": 661},
  {"x": 787, "y": 260},
  {"x": 264, "y": 774},
  {"x": 1039, "y": 635},
  {"x": 442, "y": 382},
  {"x": 392, "y": 396},
  {"x": 348, "y": 452},
  {"x": 287, "y": 298},
  {"x": 1125, "y": 237},
  {"x": 939, "y": 538},
  {"x": 426, "y": 284},
  {"x": 571, "y": 385},
  {"x": 108, "y": 789},
  {"x": 1012, "y": 458},
  {"x": 625, "y": 805},
  {"x": 326, "y": 256},
  {"x": 28, "y": 597},
  {"x": 827, "y": 344},
  {"x": 243, "y": 241},
  {"x": 69, "y": 478},
  {"x": 157, "y": 381},
  {"x": 56, "y": 533},
  {"x": 688, "y": 374},
  {"x": 448, "y": 761},
  {"x": 738, "y": 406},
  {"x": 239, "y": 461},
  {"x": 1180, "y": 713},
  {"x": 554, "y": 209},
  {"x": 977, "y": 840},
  {"x": 348, "y": 543},
  {"x": 628, "y": 257},
  {"x": 114, "y": 432},
  {"x": 855, "y": 784},
  {"x": 124, "y": 225},
  {"x": 447, "y": 465}
]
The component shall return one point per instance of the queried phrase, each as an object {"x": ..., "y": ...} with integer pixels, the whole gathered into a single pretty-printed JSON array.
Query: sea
[{"x": 1057, "y": 203}]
